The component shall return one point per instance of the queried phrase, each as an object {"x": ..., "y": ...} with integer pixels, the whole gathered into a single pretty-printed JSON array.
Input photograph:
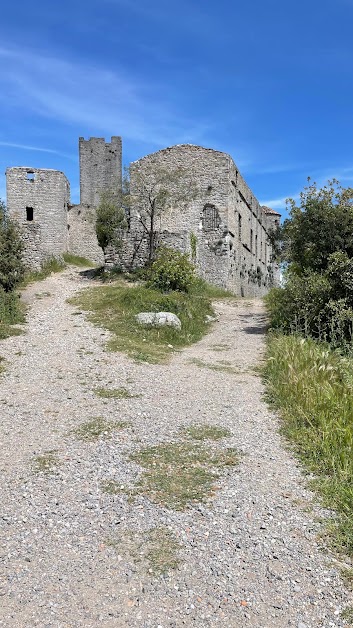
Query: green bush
[
  {"x": 11, "y": 249},
  {"x": 171, "y": 270},
  {"x": 317, "y": 305},
  {"x": 296, "y": 308}
]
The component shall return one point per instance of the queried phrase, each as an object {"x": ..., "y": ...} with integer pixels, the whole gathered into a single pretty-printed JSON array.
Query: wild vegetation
[
  {"x": 316, "y": 246},
  {"x": 11, "y": 274},
  {"x": 309, "y": 370},
  {"x": 179, "y": 474},
  {"x": 114, "y": 307}
]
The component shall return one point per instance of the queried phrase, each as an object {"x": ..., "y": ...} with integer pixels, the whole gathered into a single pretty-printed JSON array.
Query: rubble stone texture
[{"x": 210, "y": 213}]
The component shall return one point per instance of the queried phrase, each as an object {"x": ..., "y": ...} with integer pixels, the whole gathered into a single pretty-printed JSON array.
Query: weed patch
[
  {"x": 206, "y": 432},
  {"x": 114, "y": 393},
  {"x": 220, "y": 347},
  {"x": 76, "y": 260},
  {"x": 157, "y": 549},
  {"x": 46, "y": 463},
  {"x": 97, "y": 428},
  {"x": 312, "y": 386},
  {"x": 180, "y": 474},
  {"x": 220, "y": 366}
]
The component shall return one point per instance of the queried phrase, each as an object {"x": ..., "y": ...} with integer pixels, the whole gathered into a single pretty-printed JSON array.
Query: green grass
[
  {"x": 76, "y": 260},
  {"x": 12, "y": 312},
  {"x": 219, "y": 366},
  {"x": 347, "y": 614},
  {"x": 46, "y": 463},
  {"x": 114, "y": 393},
  {"x": 312, "y": 386},
  {"x": 97, "y": 428},
  {"x": 51, "y": 265},
  {"x": 180, "y": 474},
  {"x": 206, "y": 432},
  {"x": 157, "y": 549},
  {"x": 114, "y": 308}
]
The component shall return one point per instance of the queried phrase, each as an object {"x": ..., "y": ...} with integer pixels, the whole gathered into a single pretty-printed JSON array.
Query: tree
[
  {"x": 320, "y": 225},
  {"x": 316, "y": 242},
  {"x": 111, "y": 219},
  {"x": 11, "y": 250},
  {"x": 154, "y": 189}
]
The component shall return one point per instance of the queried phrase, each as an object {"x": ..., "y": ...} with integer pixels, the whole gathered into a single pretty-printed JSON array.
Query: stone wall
[
  {"x": 210, "y": 203},
  {"x": 82, "y": 238},
  {"x": 38, "y": 199},
  {"x": 100, "y": 168}
]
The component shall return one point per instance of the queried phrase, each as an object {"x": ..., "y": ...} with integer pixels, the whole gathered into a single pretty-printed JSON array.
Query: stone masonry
[
  {"x": 223, "y": 227},
  {"x": 210, "y": 213},
  {"x": 38, "y": 200}
]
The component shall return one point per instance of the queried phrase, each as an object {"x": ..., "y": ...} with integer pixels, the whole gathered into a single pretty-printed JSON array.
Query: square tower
[{"x": 100, "y": 168}]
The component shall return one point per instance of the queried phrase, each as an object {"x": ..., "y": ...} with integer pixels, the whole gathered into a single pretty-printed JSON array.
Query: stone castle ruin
[{"x": 208, "y": 212}]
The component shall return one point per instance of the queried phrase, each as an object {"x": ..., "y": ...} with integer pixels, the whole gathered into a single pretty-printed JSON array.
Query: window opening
[
  {"x": 251, "y": 239},
  {"x": 30, "y": 176},
  {"x": 239, "y": 227},
  {"x": 210, "y": 218},
  {"x": 29, "y": 214}
]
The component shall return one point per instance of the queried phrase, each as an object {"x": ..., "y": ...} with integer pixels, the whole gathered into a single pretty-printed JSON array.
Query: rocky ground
[{"x": 73, "y": 555}]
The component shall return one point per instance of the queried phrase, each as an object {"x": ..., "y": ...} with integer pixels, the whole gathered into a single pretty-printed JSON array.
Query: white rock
[{"x": 158, "y": 319}]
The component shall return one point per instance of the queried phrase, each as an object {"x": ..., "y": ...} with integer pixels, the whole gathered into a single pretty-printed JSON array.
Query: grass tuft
[
  {"x": 114, "y": 393},
  {"x": 46, "y": 463},
  {"x": 157, "y": 549},
  {"x": 76, "y": 260},
  {"x": 98, "y": 427},
  {"x": 178, "y": 475},
  {"x": 51, "y": 265},
  {"x": 221, "y": 365},
  {"x": 206, "y": 432},
  {"x": 312, "y": 386}
]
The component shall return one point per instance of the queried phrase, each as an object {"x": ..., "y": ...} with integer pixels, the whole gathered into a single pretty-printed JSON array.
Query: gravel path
[{"x": 251, "y": 557}]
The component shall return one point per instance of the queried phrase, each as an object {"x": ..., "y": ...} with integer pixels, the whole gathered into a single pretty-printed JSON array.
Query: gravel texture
[{"x": 252, "y": 556}]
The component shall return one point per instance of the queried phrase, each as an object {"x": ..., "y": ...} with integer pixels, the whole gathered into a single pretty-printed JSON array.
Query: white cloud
[
  {"x": 94, "y": 97},
  {"x": 276, "y": 203},
  {"x": 37, "y": 149}
]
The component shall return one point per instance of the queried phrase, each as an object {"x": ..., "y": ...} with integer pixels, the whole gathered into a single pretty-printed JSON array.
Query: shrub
[
  {"x": 296, "y": 308},
  {"x": 11, "y": 249},
  {"x": 171, "y": 270},
  {"x": 111, "y": 220}
]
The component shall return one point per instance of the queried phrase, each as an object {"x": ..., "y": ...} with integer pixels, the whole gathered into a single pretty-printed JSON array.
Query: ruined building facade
[
  {"x": 39, "y": 200},
  {"x": 208, "y": 211}
]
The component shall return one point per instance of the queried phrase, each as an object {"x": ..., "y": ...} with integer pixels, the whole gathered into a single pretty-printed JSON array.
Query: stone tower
[
  {"x": 38, "y": 200},
  {"x": 100, "y": 168}
]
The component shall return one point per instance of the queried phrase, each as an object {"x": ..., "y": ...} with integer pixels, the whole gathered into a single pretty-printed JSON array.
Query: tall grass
[
  {"x": 11, "y": 313},
  {"x": 312, "y": 386}
]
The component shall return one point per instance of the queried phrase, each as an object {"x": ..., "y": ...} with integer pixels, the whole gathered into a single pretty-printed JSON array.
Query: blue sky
[{"x": 269, "y": 81}]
